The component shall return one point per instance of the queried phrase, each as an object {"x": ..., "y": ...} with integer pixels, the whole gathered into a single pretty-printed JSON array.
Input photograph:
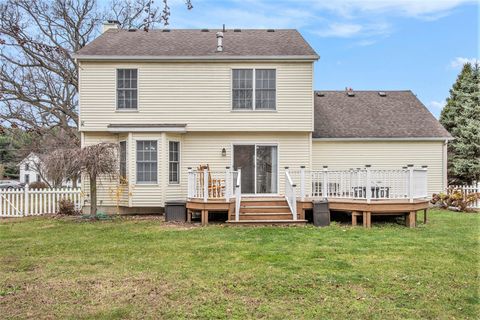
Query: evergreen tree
[{"x": 461, "y": 117}]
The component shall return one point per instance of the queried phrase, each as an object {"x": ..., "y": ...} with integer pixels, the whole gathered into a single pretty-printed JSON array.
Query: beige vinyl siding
[
  {"x": 383, "y": 155},
  {"x": 197, "y": 94},
  {"x": 195, "y": 149}
]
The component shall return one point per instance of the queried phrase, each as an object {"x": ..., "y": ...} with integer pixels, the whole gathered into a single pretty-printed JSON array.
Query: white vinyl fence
[
  {"x": 466, "y": 190},
  {"x": 28, "y": 202}
]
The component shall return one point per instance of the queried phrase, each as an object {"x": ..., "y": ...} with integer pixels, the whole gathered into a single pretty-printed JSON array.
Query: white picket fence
[
  {"x": 466, "y": 190},
  {"x": 28, "y": 202}
]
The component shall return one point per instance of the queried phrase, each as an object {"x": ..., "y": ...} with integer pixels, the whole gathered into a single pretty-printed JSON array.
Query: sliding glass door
[{"x": 259, "y": 164}]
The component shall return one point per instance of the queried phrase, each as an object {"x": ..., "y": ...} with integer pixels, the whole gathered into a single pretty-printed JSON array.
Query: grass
[{"x": 133, "y": 268}]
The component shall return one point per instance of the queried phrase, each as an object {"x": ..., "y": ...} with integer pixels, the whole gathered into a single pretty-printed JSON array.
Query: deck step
[
  {"x": 267, "y": 222},
  {"x": 260, "y": 209},
  {"x": 266, "y": 216}
]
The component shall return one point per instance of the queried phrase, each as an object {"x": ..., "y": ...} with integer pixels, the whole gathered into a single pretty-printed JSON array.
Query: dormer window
[
  {"x": 254, "y": 89},
  {"x": 127, "y": 89}
]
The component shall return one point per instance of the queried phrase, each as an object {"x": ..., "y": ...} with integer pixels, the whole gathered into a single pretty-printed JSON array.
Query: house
[
  {"x": 243, "y": 103},
  {"x": 31, "y": 171}
]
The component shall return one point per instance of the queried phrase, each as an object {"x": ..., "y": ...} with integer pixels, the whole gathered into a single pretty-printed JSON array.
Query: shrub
[
  {"x": 38, "y": 185},
  {"x": 455, "y": 200},
  {"x": 66, "y": 207}
]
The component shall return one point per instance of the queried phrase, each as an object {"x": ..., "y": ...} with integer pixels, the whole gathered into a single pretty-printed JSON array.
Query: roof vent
[
  {"x": 166, "y": 30},
  {"x": 205, "y": 30},
  {"x": 270, "y": 30},
  {"x": 237, "y": 30},
  {"x": 132, "y": 30},
  {"x": 320, "y": 94},
  {"x": 382, "y": 94},
  {"x": 219, "y": 41}
]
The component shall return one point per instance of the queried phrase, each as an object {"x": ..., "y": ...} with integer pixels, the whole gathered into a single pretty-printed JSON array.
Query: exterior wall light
[{"x": 224, "y": 152}]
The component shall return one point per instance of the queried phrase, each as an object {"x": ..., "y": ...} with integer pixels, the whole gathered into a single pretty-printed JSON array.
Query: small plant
[
  {"x": 38, "y": 185},
  {"x": 455, "y": 200},
  {"x": 66, "y": 207}
]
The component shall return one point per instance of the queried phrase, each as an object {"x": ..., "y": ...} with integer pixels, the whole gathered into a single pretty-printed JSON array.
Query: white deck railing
[
  {"x": 212, "y": 185},
  {"x": 26, "y": 202},
  {"x": 238, "y": 194},
  {"x": 290, "y": 194},
  {"x": 408, "y": 183}
]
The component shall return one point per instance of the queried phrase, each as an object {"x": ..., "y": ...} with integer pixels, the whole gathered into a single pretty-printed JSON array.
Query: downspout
[{"x": 445, "y": 165}]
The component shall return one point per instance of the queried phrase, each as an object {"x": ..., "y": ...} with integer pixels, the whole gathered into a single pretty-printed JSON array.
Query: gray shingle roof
[
  {"x": 195, "y": 43},
  {"x": 368, "y": 115}
]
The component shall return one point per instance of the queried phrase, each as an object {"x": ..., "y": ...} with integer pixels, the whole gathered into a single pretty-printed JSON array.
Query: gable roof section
[
  {"x": 399, "y": 114},
  {"x": 195, "y": 44}
]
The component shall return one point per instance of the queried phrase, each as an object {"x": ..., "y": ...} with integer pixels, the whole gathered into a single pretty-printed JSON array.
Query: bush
[
  {"x": 455, "y": 200},
  {"x": 66, "y": 207},
  {"x": 38, "y": 185}
]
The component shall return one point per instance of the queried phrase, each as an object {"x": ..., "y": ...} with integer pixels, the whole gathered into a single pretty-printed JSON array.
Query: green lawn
[{"x": 132, "y": 268}]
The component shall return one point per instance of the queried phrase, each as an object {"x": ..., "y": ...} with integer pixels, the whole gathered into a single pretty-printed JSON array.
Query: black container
[
  {"x": 176, "y": 211},
  {"x": 321, "y": 213}
]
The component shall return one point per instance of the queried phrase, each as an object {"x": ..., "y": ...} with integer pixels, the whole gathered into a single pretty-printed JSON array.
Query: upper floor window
[
  {"x": 123, "y": 161},
  {"x": 147, "y": 161},
  {"x": 173, "y": 161},
  {"x": 27, "y": 167},
  {"x": 254, "y": 89},
  {"x": 127, "y": 89}
]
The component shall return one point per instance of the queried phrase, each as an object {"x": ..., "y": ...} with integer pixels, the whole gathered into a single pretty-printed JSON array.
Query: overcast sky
[{"x": 371, "y": 45}]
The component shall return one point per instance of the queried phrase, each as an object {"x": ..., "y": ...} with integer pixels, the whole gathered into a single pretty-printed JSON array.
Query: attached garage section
[{"x": 384, "y": 155}]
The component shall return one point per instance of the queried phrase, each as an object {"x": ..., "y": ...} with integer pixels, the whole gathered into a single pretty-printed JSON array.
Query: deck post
[
  {"x": 325, "y": 182},
  {"x": 228, "y": 184},
  {"x": 190, "y": 193},
  {"x": 368, "y": 187},
  {"x": 205, "y": 185},
  {"x": 410, "y": 182},
  {"x": 238, "y": 194},
  {"x": 302, "y": 183}
]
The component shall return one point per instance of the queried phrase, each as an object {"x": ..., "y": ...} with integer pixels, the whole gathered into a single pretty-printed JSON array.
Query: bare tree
[
  {"x": 95, "y": 161},
  {"x": 38, "y": 74},
  {"x": 99, "y": 160},
  {"x": 59, "y": 165}
]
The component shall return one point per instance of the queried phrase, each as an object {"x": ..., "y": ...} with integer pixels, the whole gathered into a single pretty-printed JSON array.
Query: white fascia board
[
  {"x": 193, "y": 58},
  {"x": 384, "y": 139},
  {"x": 143, "y": 129}
]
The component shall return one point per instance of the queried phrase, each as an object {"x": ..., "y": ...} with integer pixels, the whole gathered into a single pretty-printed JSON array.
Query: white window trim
[
  {"x": 116, "y": 91},
  {"x": 126, "y": 160},
  {"x": 254, "y": 104},
  {"x": 179, "y": 162},
  {"x": 147, "y": 183},
  {"x": 267, "y": 144}
]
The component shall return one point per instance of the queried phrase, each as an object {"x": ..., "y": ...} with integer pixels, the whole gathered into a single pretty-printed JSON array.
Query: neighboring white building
[{"x": 30, "y": 171}]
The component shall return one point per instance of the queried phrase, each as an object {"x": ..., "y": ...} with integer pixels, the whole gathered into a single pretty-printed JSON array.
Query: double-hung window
[
  {"x": 254, "y": 89},
  {"x": 147, "y": 161},
  {"x": 127, "y": 89},
  {"x": 173, "y": 161},
  {"x": 123, "y": 161}
]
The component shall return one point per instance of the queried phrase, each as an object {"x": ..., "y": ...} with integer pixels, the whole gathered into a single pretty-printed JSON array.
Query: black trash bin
[
  {"x": 321, "y": 213},
  {"x": 176, "y": 211}
]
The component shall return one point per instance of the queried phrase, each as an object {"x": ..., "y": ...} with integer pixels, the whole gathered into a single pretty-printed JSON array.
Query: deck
[
  {"x": 275, "y": 211},
  {"x": 363, "y": 192}
]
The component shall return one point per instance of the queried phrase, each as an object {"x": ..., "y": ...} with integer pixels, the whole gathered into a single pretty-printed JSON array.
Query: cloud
[
  {"x": 427, "y": 9},
  {"x": 458, "y": 62},
  {"x": 348, "y": 30},
  {"x": 436, "y": 105}
]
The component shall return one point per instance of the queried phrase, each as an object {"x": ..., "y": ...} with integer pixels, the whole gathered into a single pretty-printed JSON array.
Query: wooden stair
[{"x": 264, "y": 211}]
